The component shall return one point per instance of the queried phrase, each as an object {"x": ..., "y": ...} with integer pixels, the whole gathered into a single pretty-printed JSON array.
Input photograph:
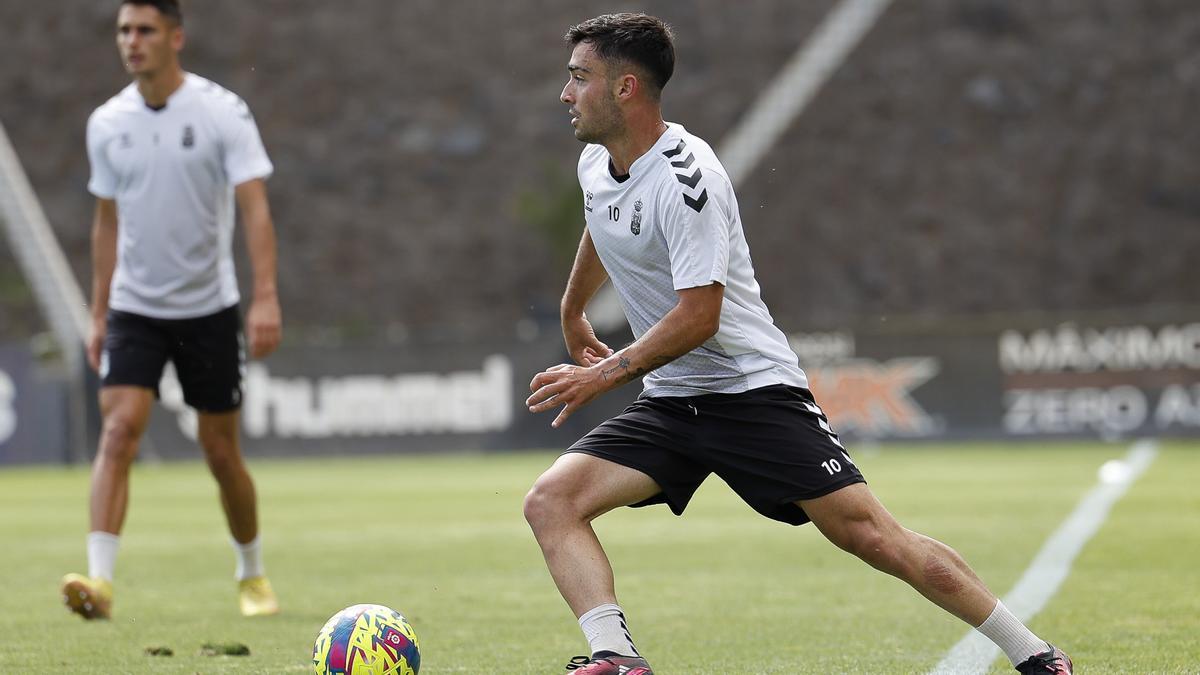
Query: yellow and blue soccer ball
[{"x": 367, "y": 640}]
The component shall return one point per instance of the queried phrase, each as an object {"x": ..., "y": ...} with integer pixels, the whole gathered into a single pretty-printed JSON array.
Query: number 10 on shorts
[{"x": 834, "y": 466}]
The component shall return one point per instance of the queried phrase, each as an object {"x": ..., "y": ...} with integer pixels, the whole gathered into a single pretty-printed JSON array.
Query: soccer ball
[{"x": 367, "y": 640}]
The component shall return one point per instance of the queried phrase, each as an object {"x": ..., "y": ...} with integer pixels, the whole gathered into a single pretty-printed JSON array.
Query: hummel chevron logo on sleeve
[
  {"x": 684, "y": 163},
  {"x": 691, "y": 180}
]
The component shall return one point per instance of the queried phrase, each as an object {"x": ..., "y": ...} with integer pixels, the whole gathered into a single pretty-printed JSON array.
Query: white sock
[
  {"x": 249, "y": 559},
  {"x": 605, "y": 630},
  {"x": 1010, "y": 635},
  {"x": 102, "y": 554}
]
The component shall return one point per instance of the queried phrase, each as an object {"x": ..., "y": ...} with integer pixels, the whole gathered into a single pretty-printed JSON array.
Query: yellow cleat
[
  {"x": 87, "y": 597},
  {"x": 256, "y": 598}
]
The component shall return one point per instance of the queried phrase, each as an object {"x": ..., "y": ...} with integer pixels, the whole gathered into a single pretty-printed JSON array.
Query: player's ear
[
  {"x": 626, "y": 86},
  {"x": 177, "y": 38}
]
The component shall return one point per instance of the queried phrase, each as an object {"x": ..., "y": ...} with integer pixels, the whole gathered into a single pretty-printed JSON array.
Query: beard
[{"x": 602, "y": 124}]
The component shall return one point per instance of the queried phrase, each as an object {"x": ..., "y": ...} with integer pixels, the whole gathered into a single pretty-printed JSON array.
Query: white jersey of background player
[{"x": 172, "y": 173}]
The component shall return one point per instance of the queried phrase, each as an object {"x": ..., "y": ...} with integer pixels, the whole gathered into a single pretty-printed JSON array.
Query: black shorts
[
  {"x": 207, "y": 352},
  {"x": 772, "y": 445}
]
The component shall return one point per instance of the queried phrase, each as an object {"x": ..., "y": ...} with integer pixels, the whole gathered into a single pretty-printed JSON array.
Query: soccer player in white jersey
[
  {"x": 723, "y": 392},
  {"x": 171, "y": 154}
]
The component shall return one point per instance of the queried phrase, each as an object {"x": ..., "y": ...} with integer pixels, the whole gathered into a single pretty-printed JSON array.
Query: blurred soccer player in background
[
  {"x": 170, "y": 155},
  {"x": 723, "y": 392}
]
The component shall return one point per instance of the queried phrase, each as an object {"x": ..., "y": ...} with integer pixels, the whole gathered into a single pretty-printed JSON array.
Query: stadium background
[
  {"x": 974, "y": 170},
  {"x": 983, "y": 226}
]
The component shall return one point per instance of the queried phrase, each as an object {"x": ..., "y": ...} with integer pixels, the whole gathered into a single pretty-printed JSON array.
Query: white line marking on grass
[{"x": 974, "y": 653}]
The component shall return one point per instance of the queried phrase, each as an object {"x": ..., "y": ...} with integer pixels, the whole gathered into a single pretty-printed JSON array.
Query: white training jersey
[
  {"x": 672, "y": 223},
  {"x": 172, "y": 173}
]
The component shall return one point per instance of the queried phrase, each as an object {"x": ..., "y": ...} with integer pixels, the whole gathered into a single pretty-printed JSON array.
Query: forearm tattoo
[
  {"x": 622, "y": 374},
  {"x": 622, "y": 365}
]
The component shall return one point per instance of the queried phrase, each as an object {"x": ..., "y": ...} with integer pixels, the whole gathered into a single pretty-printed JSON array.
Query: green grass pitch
[{"x": 721, "y": 590}]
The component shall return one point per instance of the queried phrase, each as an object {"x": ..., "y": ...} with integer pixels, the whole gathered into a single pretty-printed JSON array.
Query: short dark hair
[
  {"x": 640, "y": 39},
  {"x": 171, "y": 9}
]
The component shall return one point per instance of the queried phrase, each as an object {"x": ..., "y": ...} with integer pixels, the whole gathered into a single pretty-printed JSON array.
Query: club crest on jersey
[
  {"x": 635, "y": 223},
  {"x": 126, "y": 141},
  {"x": 587, "y": 200},
  {"x": 189, "y": 136}
]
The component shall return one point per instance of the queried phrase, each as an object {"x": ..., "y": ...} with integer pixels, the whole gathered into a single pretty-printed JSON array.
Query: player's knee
[
  {"x": 119, "y": 439},
  {"x": 216, "y": 439},
  {"x": 223, "y": 459},
  {"x": 875, "y": 546},
  {"x": 545, "y": 502},
  {"x": 219, "y": 464},
  {"x": 537, "y": 506},
  {"x": 857, "y": 534},
  {"x": 871, "y": 546}
]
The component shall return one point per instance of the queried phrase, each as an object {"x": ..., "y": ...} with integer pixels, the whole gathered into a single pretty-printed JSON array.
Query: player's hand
[
  {"x": 570, "y": 386},
  {"x": 95, "y": 342},
  {"x": 583, "y": 346},
  {"x": 264, "y": 326}
]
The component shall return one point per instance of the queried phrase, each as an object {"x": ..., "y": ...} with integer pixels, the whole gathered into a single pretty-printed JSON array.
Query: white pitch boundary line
[{"x": 974, "y": 654}]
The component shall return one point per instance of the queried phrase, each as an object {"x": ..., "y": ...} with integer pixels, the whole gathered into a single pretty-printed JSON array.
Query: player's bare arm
[
  {"x": 263, "y": 319},
  {"x": 104, "y": 262},
  {"x": 694, "y": 319},
  {"x": 587, "y": 275}
]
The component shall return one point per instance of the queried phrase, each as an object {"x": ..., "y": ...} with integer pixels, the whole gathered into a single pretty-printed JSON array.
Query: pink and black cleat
[
  {"x": 609, "y": 665},
  {"x": 1053, "y": 661}
]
